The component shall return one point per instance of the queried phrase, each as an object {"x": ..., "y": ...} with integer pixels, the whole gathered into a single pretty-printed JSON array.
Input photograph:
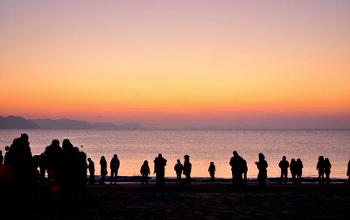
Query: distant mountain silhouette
[
  {"x": 75, "y": 124},
  {"x": 16, "y": 122}
]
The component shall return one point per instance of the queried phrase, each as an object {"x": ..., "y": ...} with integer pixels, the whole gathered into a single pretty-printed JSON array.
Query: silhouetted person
[
  {"x": 284, "y": 165},
  {"x": 187, "y": 169},
  {"x": 103, "y": 164},
  {"x": 22, "y": 181},
  {"x": 245, "y": 171},
  {"x": 7, "y": 155},
  {"x": 236, "y": 168},
  {"x": 145, "y": 171},
  {"x": 262, "y": 167},
  {"x": 42, "y": 163},
  {"x": 36, "y": 161},
  {"x": 1, "y": 169},
  {"x": 178, "y": 169},
  {"x": 1, "y": 158},
  {"x": 91, "y": 166},
  {"x": 114, "y": 165},
  {"x": 83, "y": 166},
  {"x": 293, "y": 170},
  {"x": 70, "y": 175},
  {"x": 299, "y": 168},
  {"x": 212, "y": 171},
  {"x": 159, "y": 169},
  {"x": 21, "y": 161},
  {"x": 320, "y": 168},
  {"x": 54, "y": 154},
  {"x": 327, "y": 169},
  {"x": 348, "y": 172}
]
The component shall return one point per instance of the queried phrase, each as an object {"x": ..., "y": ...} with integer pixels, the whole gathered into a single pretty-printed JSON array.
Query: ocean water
[{"x": 203, "y": 146}]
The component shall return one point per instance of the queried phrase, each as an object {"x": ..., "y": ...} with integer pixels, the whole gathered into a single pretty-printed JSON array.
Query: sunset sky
[{"x": 175, "y": 64}]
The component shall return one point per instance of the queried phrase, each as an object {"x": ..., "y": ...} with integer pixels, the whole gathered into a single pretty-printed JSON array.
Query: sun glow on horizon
[{"x": 174, "y": 59}]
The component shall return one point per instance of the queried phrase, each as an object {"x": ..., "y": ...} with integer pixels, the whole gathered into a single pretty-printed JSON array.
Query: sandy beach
[{"x": 202, "y": 200}]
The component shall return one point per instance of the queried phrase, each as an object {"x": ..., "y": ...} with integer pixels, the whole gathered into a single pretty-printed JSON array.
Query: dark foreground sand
[{"x": 200, "y": 201}]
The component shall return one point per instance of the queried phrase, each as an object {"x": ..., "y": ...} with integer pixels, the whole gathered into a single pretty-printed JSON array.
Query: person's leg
[
  {"x": 111, "y": 177},
  {"x": 281, "y": 179}
]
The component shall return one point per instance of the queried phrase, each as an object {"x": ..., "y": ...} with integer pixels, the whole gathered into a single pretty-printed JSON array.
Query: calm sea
[{"x": 133, "y": 147}]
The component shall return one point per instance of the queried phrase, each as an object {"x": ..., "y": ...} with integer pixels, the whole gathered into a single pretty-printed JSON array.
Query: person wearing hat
[{"x": 187, "y": 169}]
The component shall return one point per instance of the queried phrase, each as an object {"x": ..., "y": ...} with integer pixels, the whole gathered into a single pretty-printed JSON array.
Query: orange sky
[{"x": 174, "y": 60}]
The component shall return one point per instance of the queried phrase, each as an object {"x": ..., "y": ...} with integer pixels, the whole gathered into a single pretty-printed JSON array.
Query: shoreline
[{"x": 206, "y": 180}]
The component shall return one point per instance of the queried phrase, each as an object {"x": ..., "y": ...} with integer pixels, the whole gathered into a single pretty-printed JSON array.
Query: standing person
[
  {"x": 145, "y": 171},
  {"x": 211, "y": 171},
  {"x": 43, "y": 163},
  {"x": 293, "y": 170},
  {"x": 244, "y": 170},
  {"x": 159, "y": 169},
  {"x": 327, "y": 169},
  {"x": 104, "y": 171},
  {"x": 299, "y": 169},
  {"x": 320, "y": 168},
  {"x": 284, "y": 165},
  {"x": 178, "y": 169},
  {"x": 1, "y": 162},
  {"x": 236, "y": 168},
  {"x": 187, "y": 169},
  {"x": 21, "y": 160},
  {"x": 53, "y": 154},
  {"x": 7, "y": 155},
  {"x": 91, "y": 167},
  {"x": 262, "y": 167},
  {"x": 348, "y": 173},
  {"x": 114, "y": 165},
  {"x": 1, "y": 158}
]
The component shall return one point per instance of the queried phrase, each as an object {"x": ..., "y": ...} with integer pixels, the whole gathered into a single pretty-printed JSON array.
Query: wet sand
[{"x": 199, "y": 201}]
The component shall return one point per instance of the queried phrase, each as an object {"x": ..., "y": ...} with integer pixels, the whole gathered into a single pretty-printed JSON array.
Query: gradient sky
[{"x": 176, "y": 64}]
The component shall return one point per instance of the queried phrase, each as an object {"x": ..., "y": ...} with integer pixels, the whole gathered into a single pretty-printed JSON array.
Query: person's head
[
  {"x": 7, "y": 148},
  {"x": 103, "y": 158},
  {"x": 284, "y": 158},
  {"x": 235, "y": 153},
  {"x": 187, "y": 157},
  {"x": 89, "y": 159},
  {"x": 298, "y": 160},
  {"x": 115, "y": 156},
  {"x": 326, "y": 160},
  {"x": 178, "y": 160},
  {"x": 145, "y": 162},
  {"x": 66, "y": 144},
  {"x": 212, "y": 163},
  {"x": 261, "y": 156},
  {"x": 320, "y": 158},
  {"x": 24, "y": 137},
  {"x": 55, "y": 142},
  {"x": 293, "y": 160},
  {"x": 160, "y": 155}
]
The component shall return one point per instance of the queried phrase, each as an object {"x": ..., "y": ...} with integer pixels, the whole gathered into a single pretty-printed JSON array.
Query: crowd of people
[{"x": 65, "y": 168}]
